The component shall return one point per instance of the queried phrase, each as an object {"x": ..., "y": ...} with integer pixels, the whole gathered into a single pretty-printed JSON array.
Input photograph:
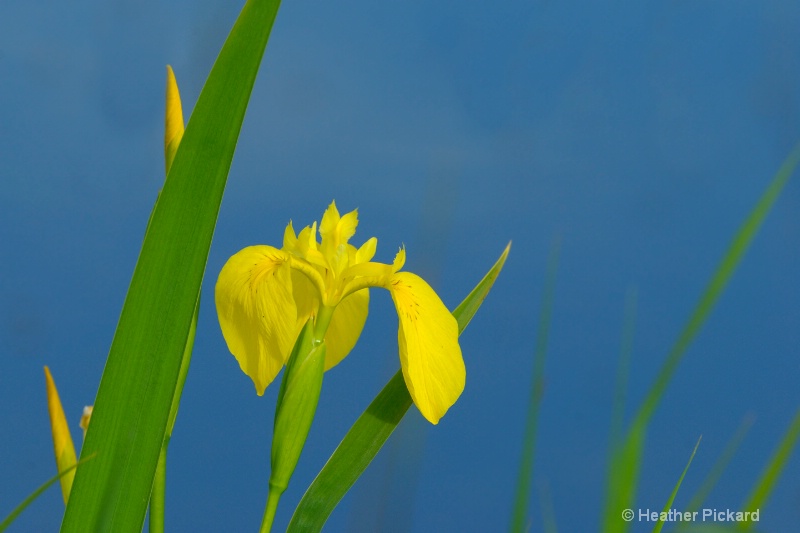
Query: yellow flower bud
[{"x": 62, "y": 440}]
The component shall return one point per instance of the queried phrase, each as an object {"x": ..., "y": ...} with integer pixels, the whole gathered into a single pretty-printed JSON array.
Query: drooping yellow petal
[
  {"x": 430, "y": 356},
  {"x": 257, "y": 311},
  {"x": 345, "y": 327},
  {"x": 62, "y": 440},
  {"x": 173, "y": 122}
]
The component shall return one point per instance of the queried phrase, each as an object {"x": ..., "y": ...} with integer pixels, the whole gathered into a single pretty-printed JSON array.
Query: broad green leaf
[
  {"x": 133, "y": 401},
  {"x": 627, "y": 459},
  {"x": 371, "y": 430},
  {"x": 760, "y": 493},
  {"x": 519, "y": 514},
  {"x": 671, "y": 500}
]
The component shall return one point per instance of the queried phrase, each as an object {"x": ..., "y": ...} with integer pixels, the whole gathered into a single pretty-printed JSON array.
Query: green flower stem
[
  {"x": 272, "y": 506},
  {"x": 322, "y": 322}
]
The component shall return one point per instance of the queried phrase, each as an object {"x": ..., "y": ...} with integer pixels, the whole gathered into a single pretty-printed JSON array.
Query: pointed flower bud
[
  {"x": 62, "y": 440},
  {"x": 297, "y": 403},
  {"x": 173, "y": 123}
]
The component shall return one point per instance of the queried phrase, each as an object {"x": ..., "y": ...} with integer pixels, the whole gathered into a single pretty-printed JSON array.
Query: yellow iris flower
[{"x": 264, "y": 296}]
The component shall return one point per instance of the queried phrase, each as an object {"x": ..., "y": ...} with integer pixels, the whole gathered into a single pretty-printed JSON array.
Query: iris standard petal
[
  {"x": 367, "y": 251},
  {"x": 257, "y": 311},
  {"x": 345, "y": 327},
  {"x": 430, "y": 356}
]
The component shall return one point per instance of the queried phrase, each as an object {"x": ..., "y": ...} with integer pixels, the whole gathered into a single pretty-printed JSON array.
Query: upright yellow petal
[
  {"x": 429, "y": 352},
  {"x": 334, "y": 231},
  {"x": 173, "y": 122},
  {"x": 62, "y": 440},
  {"x": 257, "y": 311},
  {"x": 367, "y": 251},
  {"x": 345, "y": 327},
  {"x": 289, "y": 238}
]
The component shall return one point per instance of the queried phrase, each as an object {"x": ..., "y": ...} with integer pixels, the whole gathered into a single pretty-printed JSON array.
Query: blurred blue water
[{"x": 639, "y": 134}]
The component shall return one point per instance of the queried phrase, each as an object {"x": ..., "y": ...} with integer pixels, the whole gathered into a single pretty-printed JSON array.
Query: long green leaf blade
[
  {"x": 624, "y": 476},
  {"x": 136, "y": 391},
  {"x": 372, "y": 428}
]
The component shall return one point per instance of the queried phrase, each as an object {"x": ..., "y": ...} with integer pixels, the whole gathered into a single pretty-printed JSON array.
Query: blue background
[{"x": 638, "y": 135}]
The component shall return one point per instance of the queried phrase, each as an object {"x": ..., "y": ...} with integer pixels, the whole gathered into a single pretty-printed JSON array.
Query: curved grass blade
[
  {"x": 519, "y": 513},
  {"x": 719, "y": 466},
  {"x": 627, "y": 458},
  {"x": 760, "y": 494},
  {"x": 373, "y": 427},
  {"x": 38, "y": 492},
  {"x": 133, "y": 401},
  {"x": 548, "y": 511},
  {"x": 671, "y": 499}
]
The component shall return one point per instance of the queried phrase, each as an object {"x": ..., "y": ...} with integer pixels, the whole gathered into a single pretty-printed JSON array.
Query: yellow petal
[
  {"x": 62, "y": 440},
  {"x": 335, "y": 231},
  {"x": 173, "y": 123},
  {"x": 289, "y": 238},
  {"x": 330, "y": 219},
  {"x": 345, "y": 327},
  {"x": 306, "y": 298},
  {"x": 429, "y": 352},
  {"x": 307, "y": 246},
  {"x": 400, "y": 260},
  {"x": 367, "y": 251},
  {"x": 257, "y": 312}
]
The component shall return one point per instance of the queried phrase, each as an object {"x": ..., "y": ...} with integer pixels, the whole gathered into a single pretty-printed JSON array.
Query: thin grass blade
[
  {"x": 366, "y": 437},
  {"x": 624, "y": 368},
  {"x": 671, "y": 500},
  {"x": 133, "y": 401},
  {"x": 548, "y": 511},
  {"x": 760, "y": 493},
  {"x": 625, "y": 472},
  {"x": 38, "y": 492},
  {"x": 519, "y": 514},
  {"x": 719, "y": 466}
]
